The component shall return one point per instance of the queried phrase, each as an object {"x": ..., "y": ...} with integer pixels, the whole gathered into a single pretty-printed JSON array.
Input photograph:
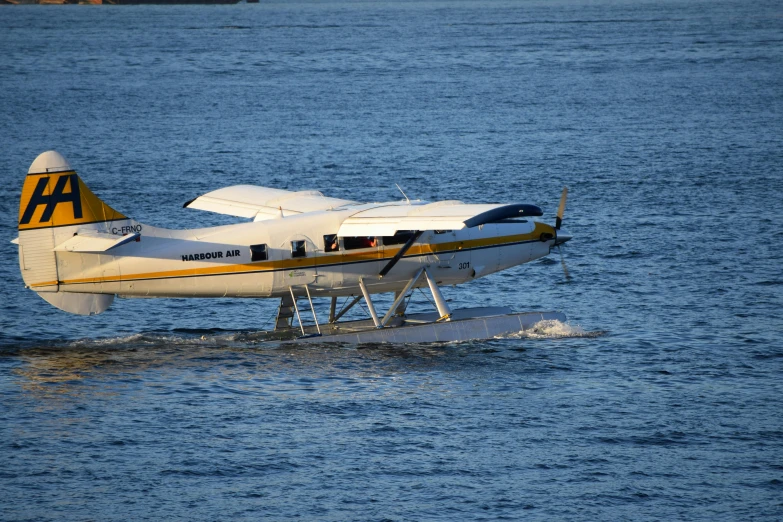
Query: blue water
[{"x": 659, "y": 399}]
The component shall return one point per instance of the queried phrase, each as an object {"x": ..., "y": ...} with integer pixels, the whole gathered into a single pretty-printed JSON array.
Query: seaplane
[{"x": 78, "y": 254}]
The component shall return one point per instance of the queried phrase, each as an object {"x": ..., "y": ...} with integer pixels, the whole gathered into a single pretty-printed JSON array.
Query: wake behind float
[
  {"x": 77, "y": 253},
  {"x": 463, "y": 325}
]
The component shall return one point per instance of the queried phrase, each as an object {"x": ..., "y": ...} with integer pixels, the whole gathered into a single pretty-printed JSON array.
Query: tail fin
[
  {"x": 55, "y": 202},
  {"x": 46, "y": 203}
]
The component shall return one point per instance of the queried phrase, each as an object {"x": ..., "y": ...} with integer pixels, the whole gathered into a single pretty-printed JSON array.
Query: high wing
[
  {"x": 369, "y": 219},
  {"x": 260, "y": 203},
  {"x": 386, "y": 220}
]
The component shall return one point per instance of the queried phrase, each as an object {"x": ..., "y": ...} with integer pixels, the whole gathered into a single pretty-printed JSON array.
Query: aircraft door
[
  {"x": 329, "y": 266},
  {"x": 444, "y": 248},
  {"x": 461, "y": 261},
  {"x": 448, "y": 254},
  {"x": 297, "y": 266},
  {"x": 485, "y": 259}
]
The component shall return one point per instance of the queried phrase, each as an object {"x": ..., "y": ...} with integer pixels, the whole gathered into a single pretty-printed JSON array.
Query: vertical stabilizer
[
  {"x": 54, "y": 198},
  {"x": 53, "y": 195}
]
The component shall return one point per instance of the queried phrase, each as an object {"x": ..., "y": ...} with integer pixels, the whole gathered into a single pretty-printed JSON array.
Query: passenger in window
[
  {"x": 331, "y": 243},
  {"x": 351, "y": 243}
]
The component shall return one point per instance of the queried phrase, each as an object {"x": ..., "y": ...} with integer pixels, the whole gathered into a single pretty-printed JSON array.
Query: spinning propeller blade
[
  {"x": 561, "y": 208},
  {"x": 563, "y": 264},
  {"x": 562, "y": 238}
]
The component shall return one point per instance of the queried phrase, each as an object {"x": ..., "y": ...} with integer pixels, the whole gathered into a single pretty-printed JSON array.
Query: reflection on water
[{"x": 100, "y": 365}]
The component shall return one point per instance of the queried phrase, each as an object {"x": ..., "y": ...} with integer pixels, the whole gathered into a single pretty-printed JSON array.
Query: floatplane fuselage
[{"x": 78, "y": 253}]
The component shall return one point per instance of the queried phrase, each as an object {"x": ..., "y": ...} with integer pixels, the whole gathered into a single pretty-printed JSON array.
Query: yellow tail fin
[
  {"x": 53, "y": 195},
  {"x": 54, "y": 204}
]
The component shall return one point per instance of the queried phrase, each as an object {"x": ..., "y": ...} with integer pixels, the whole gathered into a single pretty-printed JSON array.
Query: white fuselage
[{"x": 217, "y": 262}]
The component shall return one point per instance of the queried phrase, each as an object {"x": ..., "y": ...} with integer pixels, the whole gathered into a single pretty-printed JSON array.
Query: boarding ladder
[{"x": 289, "y": 308}]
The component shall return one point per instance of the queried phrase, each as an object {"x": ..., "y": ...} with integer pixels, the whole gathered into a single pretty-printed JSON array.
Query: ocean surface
[{"x": 661, "y": 398}]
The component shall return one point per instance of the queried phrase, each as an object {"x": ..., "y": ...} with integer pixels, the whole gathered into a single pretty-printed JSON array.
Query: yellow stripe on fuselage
[{"x": 313, "y": 262}]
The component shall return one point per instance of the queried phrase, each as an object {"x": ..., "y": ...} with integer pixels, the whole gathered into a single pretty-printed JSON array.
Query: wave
[
  {"x": 217, "y": 338},
  {"x": 554, "y": 329}
]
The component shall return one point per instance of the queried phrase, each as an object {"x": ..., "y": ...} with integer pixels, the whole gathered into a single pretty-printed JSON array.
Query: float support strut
[
  {"x": 401, "y": 297},
  {"x": 367, "y": 298},
  {"x": 440, "y": 302},
  {"x": 342, "y": 312}
]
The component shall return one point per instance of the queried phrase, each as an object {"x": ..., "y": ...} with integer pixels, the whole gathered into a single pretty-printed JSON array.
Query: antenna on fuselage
[{"x": 403, "y": 193}]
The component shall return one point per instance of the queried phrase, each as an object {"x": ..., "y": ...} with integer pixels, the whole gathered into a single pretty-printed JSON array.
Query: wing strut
[{"x": 398, "y": 255}]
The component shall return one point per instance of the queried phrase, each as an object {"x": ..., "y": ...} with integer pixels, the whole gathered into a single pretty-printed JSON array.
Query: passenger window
[
  {"x": 330, "y": 243},
  {"x": 352, "y": 243},
  {"x": 401, "y": 237},
  {"x": 258, "y": 253},
  {"x": 298, "y": 249},
  {"x": 443, "y": 231}
]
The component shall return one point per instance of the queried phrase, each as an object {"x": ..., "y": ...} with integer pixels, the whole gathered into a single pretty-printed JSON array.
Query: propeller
[
  {"x": 561, "y": 208},
  {"x": 563, "y": 264},
  {"x": 562, "y": 238}
]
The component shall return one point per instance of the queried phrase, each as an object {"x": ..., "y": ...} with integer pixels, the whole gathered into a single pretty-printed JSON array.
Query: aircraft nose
[{"x": 562, "y": 237}]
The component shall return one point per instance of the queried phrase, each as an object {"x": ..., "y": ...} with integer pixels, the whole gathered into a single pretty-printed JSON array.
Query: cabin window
[
  {"x": 400, "y": 238},
  {"x": 298, "y": 249},
  {"x": 330, "y": 243},
  {"x": 352, "y": 243},
  {"x": 258, "y": 253},
  {"x": 443, "y": 231}
]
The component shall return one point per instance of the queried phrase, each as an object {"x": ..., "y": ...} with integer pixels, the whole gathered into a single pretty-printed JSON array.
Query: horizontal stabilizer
[
  {"x": 250, "y": 201},
  {"x": 94, "y": 242}
]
